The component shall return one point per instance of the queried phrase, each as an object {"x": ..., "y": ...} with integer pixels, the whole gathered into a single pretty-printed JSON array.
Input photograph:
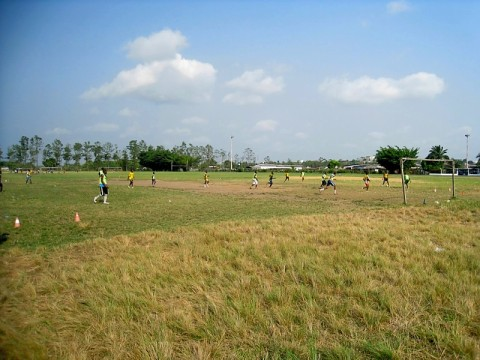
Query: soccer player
[
  {"x": 385, "y": 179},
  {"x": 324, "y": 181},
  {"x": 366, "y": 181},
  {"x": 270, "y": 179},
  {"x": 406, "y": 179},
  {"x": 287, "y": 177},
  {"x": 330, "y": 182},
  {"x": 103, "y": 185},
  {"x": 254, "y": 180},
  {"x": 131, "y": 176},
  {"x": 303, "y": 176},
  {"x": 154, "y": 180},
  {"x": 28, "y": 177},
  {"x": 205, "y": 179}
]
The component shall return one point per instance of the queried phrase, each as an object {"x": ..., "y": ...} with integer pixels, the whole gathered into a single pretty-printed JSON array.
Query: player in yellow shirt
[
  {"x": 330, "y": 182},
  {"x": 385, "y": 179},
  {"x": 205, "y": 179},
  {"x": 28, "y": 177},
  {"x": 254, "y": 180},
  {"x": 324, "y": 181},
  {"x": 103, "y": 185},
  {"x": 366, "y": 181},
  {"x": 131, "y": 176},
  {"x": 154, "y": 180}
]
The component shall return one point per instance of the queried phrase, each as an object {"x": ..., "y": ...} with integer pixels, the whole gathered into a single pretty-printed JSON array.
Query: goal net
[{"x": 438, "y": 189}]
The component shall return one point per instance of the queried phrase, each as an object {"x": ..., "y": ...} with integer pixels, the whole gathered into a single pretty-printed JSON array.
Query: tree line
[{"x": 33, "y": 153}]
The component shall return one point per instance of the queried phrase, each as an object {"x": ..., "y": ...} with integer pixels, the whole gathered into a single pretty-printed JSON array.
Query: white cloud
[
  {"x": 162, "y": 45},
  {"x": 133, "y": 130},
  {"x": 127, "y": 112},
  {"x": 177, "y": 131},
  {"x": 194, "y": 120},
  {"x": 58, "y": 131},
  {"x": 103, "y": 127},
  {"x": 242, "y": 98},
  {"x": 256, "y": 81},
  {"x": 266, "y": 125},
  {"x": 163, "y": 76},
  {"x": 201, "y": 140},
  {"x": 376, "y": 135},
  {"x": 178, "y": 79},
  {"x": 301, "y": 135},
  {"x": 374, "y": 91},
  {"x": 395, "y": 7},
  {"x": 252, "y": 86},
  {"x": 94, "y": 111}
]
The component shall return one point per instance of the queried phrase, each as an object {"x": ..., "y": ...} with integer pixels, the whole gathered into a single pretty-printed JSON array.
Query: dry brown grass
[{"x": 373, "y": 284}]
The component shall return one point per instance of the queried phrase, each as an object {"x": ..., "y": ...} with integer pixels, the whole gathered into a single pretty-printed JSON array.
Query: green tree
[
  {"x": 36, "y": 144},
  {"x": 77, "y": 153},
  {"x": 116, "y": 155},
  {"x": 14, "y": 154},
  {"x": 50, "y": 162},
  {"x": 208, "y": 155},
  {"x": 436, "y": 152},
  {"x": 108, "y": 151},
  {"x": 163, "y": 159},
  {"x": 332, "y": 164},
  {"x": 57, "y": 149},
  {"x": 24, "y": 149},
  {"x": 249, "y": 156},
  {"x": 124, "y": 160},
  {"x": 67, "y": 154},
  {"x": 97, "y": 151},
  {"x": 87, "y": 152},
  {"x": 134, "y": 151},
  {"x": 389, "y": 157},
  {"x": 48, "y": 157}
]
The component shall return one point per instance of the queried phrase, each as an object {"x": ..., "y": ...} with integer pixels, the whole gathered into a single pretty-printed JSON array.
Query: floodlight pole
[
  {"x": 231, "y": 153},
  {"x": 466, "y": 159}
]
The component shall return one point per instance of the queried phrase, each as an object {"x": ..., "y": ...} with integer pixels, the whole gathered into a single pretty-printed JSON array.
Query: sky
[{"x": 290, "y": 80}]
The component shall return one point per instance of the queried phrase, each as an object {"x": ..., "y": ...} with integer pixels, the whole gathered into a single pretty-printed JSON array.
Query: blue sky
[{"x": 293, "y": 80}]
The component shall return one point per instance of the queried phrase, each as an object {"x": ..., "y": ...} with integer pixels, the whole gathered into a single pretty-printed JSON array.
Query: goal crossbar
[{"x": 402, "y": 160}]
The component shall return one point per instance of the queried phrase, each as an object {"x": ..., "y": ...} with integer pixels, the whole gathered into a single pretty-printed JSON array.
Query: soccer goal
[{"x": 402, "y": 161}]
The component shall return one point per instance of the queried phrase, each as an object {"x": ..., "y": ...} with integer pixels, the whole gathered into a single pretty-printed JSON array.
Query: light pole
[
  {"x": 466, "y": 160},
  {"x": 231, "y": 153}
]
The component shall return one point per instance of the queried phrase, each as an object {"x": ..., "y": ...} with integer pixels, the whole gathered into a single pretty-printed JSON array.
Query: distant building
[
  {"x": 275, "y": 167},
  {"x": 367, "y": 159}
]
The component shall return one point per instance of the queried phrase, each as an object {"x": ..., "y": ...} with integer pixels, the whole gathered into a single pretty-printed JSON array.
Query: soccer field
[{"x": 181, "y": 271}]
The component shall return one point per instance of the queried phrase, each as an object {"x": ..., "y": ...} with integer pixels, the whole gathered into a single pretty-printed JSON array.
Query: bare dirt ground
[
  {"x": 214, "y": 187},
  {"x": 294, "y": 189}
]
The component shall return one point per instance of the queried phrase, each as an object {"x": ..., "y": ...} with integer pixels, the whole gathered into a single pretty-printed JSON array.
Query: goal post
[{"x": 402, "y": 160}]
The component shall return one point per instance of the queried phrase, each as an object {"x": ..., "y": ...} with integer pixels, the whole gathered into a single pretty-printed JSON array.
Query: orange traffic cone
[
  {"x": 77, "y": 217},
  {"x": 17, "y": 223}
]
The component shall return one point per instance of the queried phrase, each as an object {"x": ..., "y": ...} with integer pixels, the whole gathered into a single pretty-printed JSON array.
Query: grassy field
[{"x": 179, "y": 271}]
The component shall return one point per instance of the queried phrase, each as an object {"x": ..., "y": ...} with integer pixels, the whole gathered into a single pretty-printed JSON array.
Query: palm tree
[{"x": 436, "y": 152}]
